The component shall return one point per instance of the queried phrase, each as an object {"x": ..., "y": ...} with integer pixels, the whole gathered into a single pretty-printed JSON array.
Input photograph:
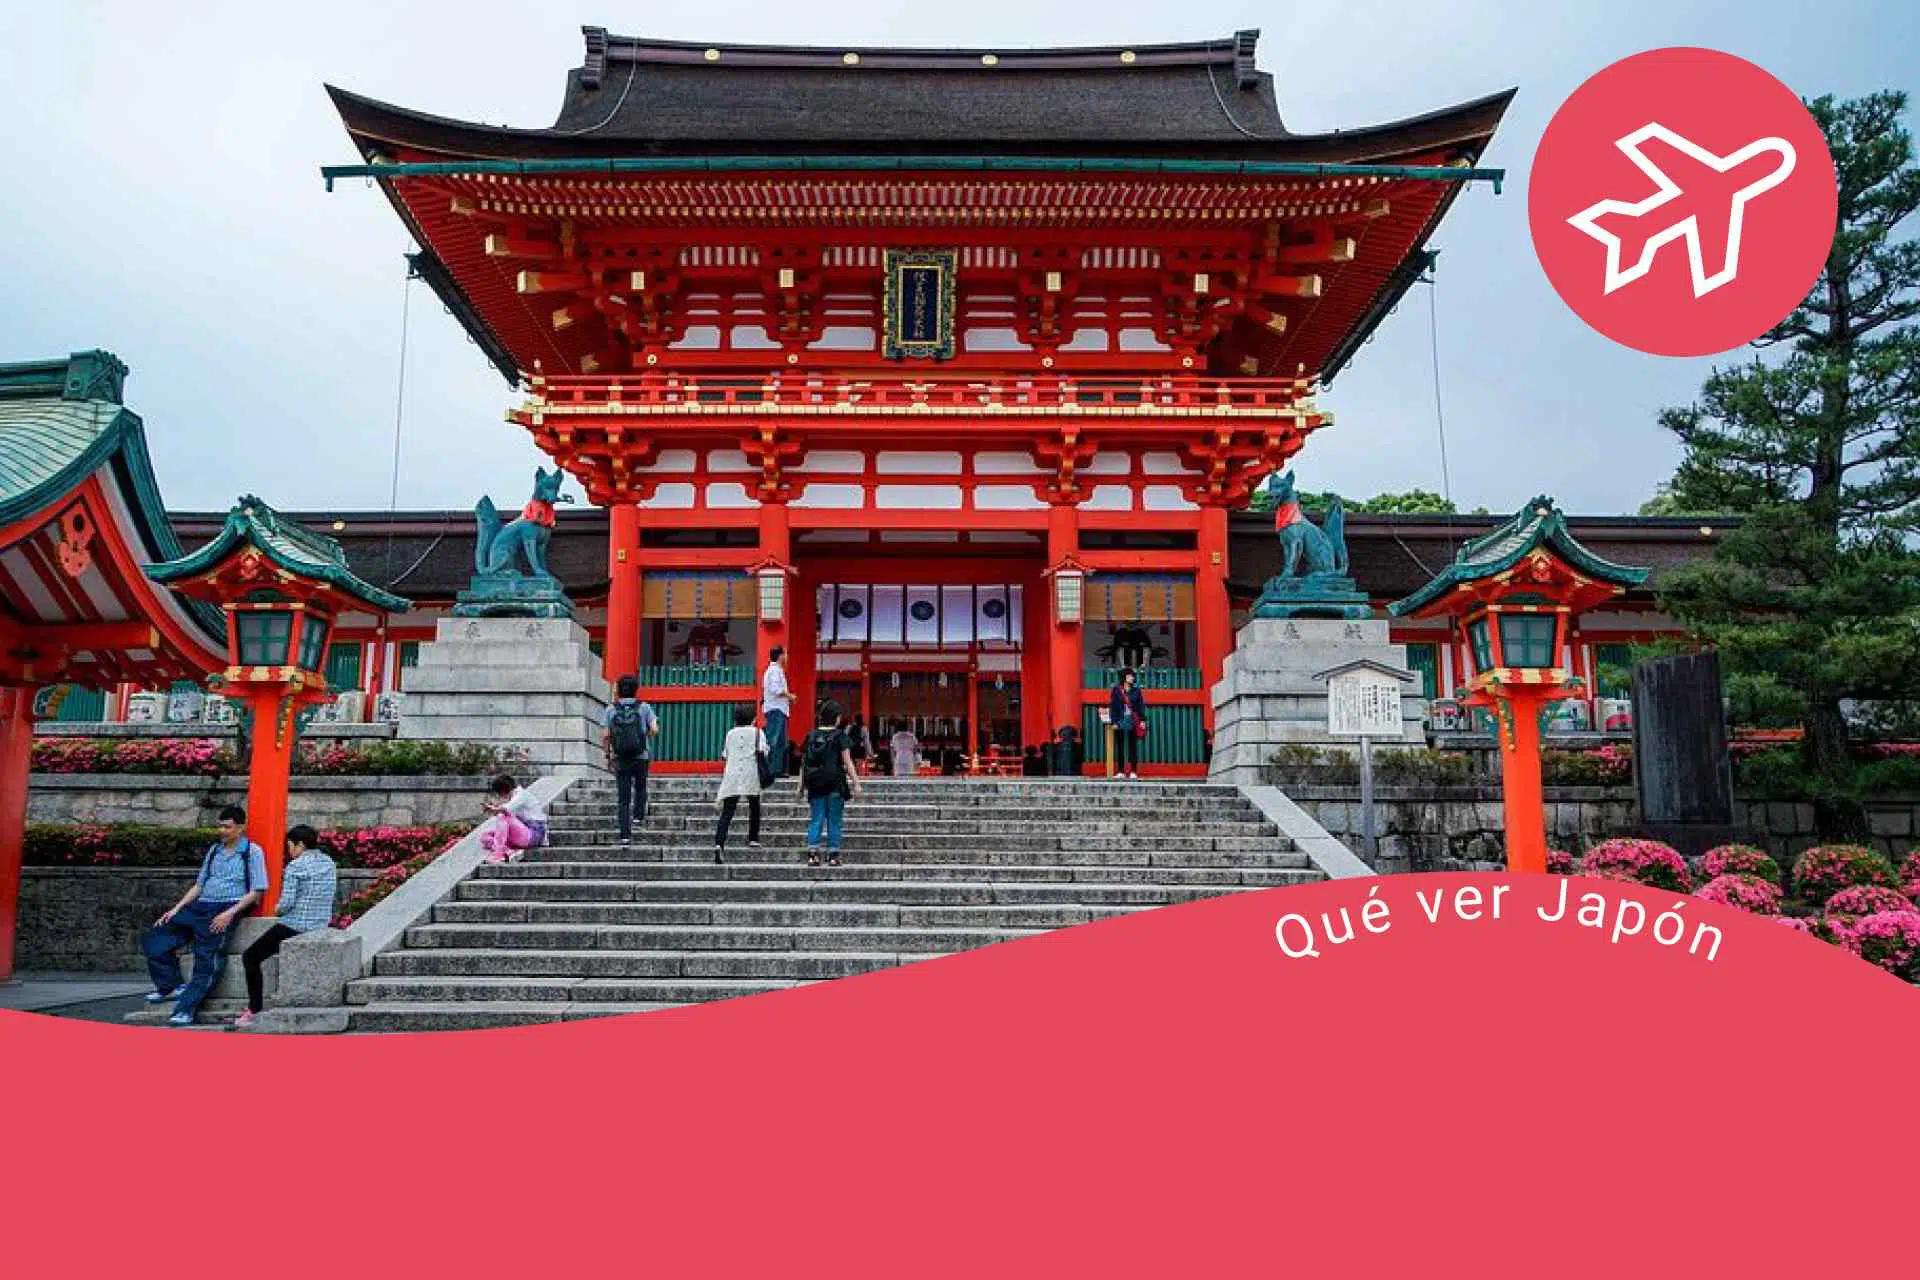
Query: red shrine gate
[{"x": 811, "y": 321}]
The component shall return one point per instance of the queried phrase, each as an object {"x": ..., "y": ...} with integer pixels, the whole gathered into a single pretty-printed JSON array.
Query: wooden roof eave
[{"x": 376, "y": 127}]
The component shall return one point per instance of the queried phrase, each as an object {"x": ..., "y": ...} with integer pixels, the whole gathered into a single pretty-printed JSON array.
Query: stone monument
[
  {"x": 512, "y": 668},
  {"x": 1311, "y": 618}
]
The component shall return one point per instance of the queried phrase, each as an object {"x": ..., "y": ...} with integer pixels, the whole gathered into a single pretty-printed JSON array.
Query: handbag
[
  {"x": 766, "y": 768},
  {"x": 1140, "y": 727}
]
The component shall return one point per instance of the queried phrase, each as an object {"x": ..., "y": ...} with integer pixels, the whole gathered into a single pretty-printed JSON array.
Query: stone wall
[
  {"x": 337, "y": 803},
  {"x": 88, "y": 919},
  {"x": 1454, "y": 828}
]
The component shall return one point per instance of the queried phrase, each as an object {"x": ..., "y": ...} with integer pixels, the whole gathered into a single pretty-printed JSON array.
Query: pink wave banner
[{"x": 1416, "y": 1076}]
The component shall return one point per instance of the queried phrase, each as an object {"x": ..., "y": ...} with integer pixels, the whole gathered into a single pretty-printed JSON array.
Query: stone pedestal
[
  {"x": 530, "y": 683},
  {"x": 1268, "y": 696}
]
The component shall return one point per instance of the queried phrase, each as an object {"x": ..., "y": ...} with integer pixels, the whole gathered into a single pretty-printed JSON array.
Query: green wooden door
[{"x": 343, "y": 666}]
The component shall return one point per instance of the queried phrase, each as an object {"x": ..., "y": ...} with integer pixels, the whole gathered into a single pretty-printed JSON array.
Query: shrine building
[{"x": 940, "y": 369}]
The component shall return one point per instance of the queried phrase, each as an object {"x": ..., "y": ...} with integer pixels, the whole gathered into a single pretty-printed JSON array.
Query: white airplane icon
[{"x": 1688, "y": 228}]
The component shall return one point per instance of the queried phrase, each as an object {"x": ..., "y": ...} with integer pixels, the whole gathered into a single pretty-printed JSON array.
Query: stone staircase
[{"x": 584, "y": 928}]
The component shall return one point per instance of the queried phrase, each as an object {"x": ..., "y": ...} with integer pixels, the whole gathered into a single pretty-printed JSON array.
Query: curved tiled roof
[
  {"x": 656, "y": 97},
  {"x": 1538, "y": 524},
  {"x": 252, "y": 523}
]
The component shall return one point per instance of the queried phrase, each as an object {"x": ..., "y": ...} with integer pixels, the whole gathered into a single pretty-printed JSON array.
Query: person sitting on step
[
  {"x": 519, "y": 821},
  {"x": 233, "y": 875},
  {"x": 747, "y": 772},
  {"x": 307, "y": 890}
]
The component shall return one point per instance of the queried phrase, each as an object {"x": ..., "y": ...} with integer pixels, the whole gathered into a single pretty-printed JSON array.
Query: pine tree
[{"x": 1816, "y": 444}]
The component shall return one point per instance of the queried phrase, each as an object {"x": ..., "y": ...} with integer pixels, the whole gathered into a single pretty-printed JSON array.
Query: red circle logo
[{"x": 1682, "y": 202}]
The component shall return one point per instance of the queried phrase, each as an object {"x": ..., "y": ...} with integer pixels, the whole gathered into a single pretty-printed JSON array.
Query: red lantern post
[
  {"x": 1515, "y": 592},
  {"x": 282, "y": 588}
]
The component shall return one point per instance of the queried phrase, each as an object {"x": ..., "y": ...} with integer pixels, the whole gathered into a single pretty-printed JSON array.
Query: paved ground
[{"x": 94, "y": 997}]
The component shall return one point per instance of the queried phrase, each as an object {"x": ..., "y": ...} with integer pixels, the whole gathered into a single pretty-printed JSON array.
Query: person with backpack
[
  {"x": 233, "y": 875},
  {"x": 307, "y": 892},
  {"x": 827, "y": 781},
  {"x": 629, "y": 727}
]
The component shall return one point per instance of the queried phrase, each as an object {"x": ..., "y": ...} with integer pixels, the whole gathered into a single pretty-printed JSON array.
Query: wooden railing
[{"x": 886, "y": 392}]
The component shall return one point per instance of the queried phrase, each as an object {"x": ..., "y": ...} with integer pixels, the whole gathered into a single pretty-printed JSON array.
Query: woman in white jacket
[{"x": 745, "y": 747}]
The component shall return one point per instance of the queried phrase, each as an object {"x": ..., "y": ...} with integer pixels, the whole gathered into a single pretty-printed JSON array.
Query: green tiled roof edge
[
  {"x": 254, "y": 523},
  {"x": 1549, "y": 526}
]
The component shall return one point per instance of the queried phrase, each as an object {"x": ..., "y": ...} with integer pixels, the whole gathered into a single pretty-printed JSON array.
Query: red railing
[{"x": 871, "y": 392}]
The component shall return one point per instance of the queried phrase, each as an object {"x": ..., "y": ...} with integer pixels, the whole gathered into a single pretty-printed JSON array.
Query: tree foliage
[
  {"x": 1412, "y": 502},
  {"x": 1815, "y": 442}
]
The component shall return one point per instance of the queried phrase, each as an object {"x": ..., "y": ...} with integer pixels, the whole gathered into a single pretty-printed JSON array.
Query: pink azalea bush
[
  {"x": 1559, "y": 862},
  {"x": 385, "y": 883},
  {"x": 380, "y": 847},
  {"x": 1799, "y": 924},
  {"x": 1889, "y": 939},
  {"x": 1747, "y": 893},
  {"x": 1647, "y": 862},
  {"x": 1910, "y": 875},
  {"x": 1824, "y": 871},
  {"x": 1866, "y": 900},
  {"x": 1739, "y": 860},
  {"x": 199, "y": 757}
]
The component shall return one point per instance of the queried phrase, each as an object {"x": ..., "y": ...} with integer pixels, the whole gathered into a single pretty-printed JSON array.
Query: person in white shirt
[
  {"x": 745, "y": 747},
  {"x": 776, "y": 702},
  {"x": 906, "y": 752},
  {"x": 519, "y": 821}
]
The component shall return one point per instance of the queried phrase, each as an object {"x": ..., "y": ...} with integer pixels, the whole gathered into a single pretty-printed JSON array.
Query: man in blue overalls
[{"x": 233, "y": 875}]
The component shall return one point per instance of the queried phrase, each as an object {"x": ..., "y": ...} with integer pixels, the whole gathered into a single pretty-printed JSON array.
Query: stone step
[
  {"x": 948, "y": 791},
  {"x": 1015, "y": 868},
  {"x": 853, "y": 892},
  {"x": 522, "y": 990},
  {"x": 807, "y": 915},
  {"x": 551, "y": 937},
  {"x": 796, "y": 966},
  {"x": 784, "y": 799},
  {"x": 563, "y": 829},
  {"x": 480, "y": 1015},
  {"x": 1138, "y": 853},
  {"x": 586, "y": 847}
]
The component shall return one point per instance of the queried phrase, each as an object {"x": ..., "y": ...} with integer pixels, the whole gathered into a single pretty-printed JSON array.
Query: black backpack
[
  {"x": 627, "y": 731},
  {"x": 820, "y": 763}
]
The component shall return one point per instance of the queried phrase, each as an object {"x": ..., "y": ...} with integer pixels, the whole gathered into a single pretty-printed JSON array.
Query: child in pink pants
[{"x": 519, "y": 822}]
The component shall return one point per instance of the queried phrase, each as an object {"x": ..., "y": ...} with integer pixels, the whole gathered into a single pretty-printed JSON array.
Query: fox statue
[
  {"x": 497, "y": 546},
  {"x": 1324, "y": 549}
]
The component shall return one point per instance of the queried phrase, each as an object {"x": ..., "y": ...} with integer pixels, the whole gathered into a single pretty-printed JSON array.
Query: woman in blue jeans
[{"x": 827, "y": 781}]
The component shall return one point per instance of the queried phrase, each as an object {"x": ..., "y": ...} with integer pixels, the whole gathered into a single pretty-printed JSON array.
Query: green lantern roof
[
  {"x": 1539, "y": 524},
  {"x": 252, "y": 523}
]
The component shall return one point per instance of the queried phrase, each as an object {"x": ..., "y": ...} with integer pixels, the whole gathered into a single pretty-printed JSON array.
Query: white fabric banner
[
  {"x": 923, "y": 616},
  {"x": 888, "y": 616}
]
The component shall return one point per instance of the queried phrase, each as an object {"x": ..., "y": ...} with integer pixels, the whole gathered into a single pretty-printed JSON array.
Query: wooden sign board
[{"x": 1363, "y": 703}]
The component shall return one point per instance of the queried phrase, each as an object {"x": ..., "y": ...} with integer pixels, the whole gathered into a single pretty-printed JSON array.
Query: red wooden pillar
[
  {"x": 803, "y": 645},
  {"x": 622, "y": 646},
  {"x": 1212, "y": 612},
  {"x": 16, "y": 755},
  {"x": 1523, "y": 805},
  {"x": 268, "y": 770},
  {"x": 1065, "y": 675},
  {"x": 1036, "y": 661}
]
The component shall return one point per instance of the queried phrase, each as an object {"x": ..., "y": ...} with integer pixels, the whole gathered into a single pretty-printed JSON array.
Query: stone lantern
[
  {"x": 1514, "y": 592},
  {"x": 283, "y": 590}
]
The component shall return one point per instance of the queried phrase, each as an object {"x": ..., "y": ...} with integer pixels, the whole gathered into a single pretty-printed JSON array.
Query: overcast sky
[{"x": 163, "y": 200}]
